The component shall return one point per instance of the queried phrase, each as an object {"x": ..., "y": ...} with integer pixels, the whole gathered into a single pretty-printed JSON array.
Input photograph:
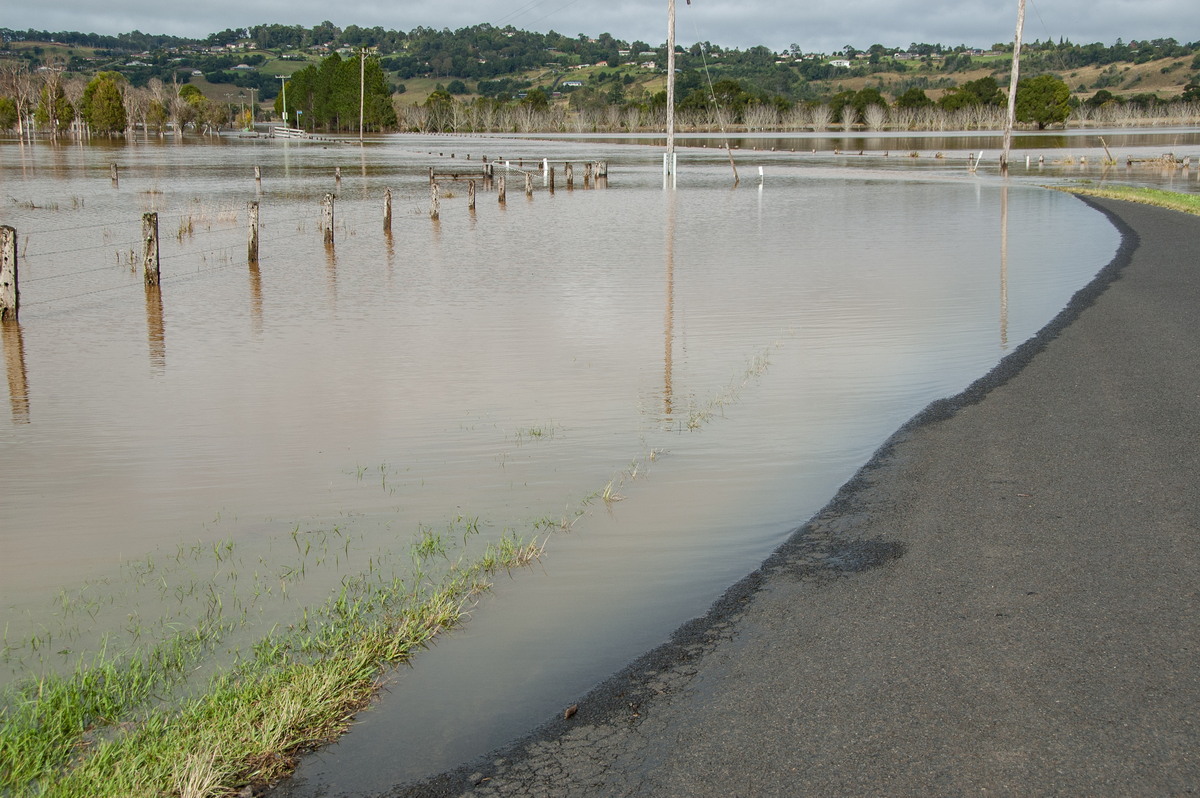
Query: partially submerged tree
[
  {"x": 54, "y": 111},
  {"x": 103, "y": 103}
]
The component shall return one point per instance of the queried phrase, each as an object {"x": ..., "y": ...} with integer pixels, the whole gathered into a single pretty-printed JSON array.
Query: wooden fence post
[
  {"x": 500, "y": 192},
  {"x": 337, "y": 174},
  {"x": 587, "y": 173},
  {"x": 112, "y": 173},
  {"x": 528, "y": 184},
  {"x": 150, "y": 260},
  {"x": 431, "y": 175},
  {"x": 252, "y": 234},
  {"x": 10, "y": 293},
  {"x": 258, "y": 174},
  {"x": 327, "y": 218},
  {"x": 435, "y": 203},
  {"x": 569, "y": 170},
  {"x": 550, "y": 171},
  {"x": 387, "y": 209},
  {"x": 471, "y": 195}
]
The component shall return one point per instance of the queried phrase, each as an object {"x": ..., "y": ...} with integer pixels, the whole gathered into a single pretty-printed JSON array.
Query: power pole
[
  {"x": 283, "y": 83},
  {"x": 1012, "y": 87}
]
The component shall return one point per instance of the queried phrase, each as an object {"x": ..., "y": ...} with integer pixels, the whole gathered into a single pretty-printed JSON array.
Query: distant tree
[
  {"x": 1102, "y": 97},
  {"x": 913, "y": 98},
  {"x": 190, "y": 94},
  {"x": 1043, "y": 100},
  {"x": 536, "y": 99},
  {"x": 103, "y": 106},
  {"x": 457, "y": 87},
  {"x": 8, "y": 113},
  {"x": 985, "y": 91}
]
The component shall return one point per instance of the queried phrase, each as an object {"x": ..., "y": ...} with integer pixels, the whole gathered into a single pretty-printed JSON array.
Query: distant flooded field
[{"x": 659, "y": 384}]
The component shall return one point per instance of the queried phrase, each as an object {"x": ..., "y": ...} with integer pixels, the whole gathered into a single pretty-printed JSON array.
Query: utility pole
[
  {"x": 1012, "y": 87},
  {"x": 283, "y": 83},
  {"x": 669, "y": 164},
  {"x": 362, "y": 89}
]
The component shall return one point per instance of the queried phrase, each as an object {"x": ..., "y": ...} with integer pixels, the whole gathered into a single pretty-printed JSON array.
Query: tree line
[
  {"x": 107, "y": 104},
  {"x": 327, "y": 97}
]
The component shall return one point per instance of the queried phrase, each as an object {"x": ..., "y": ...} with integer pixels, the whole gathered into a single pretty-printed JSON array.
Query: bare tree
[
  {"x": 74, "y": 89},
  {"x": 20, "y": 84},
  {"x": 904, "y": 118},
  {"x": 51, "y": 75},
  {"x": 137, "y": 105},
  {"x": 797, "y": 118},
  {"x": 822, "y": 117},
  {"x": 876, "y": 117},
  {"x": 761, "y": 116}
]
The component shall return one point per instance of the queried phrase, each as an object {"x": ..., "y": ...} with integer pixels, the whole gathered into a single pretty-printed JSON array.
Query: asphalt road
[{"x": 1005, "y": 601}]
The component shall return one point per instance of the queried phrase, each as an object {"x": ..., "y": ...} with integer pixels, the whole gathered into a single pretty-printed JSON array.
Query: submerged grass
[
  {"x": 1187, "y": 203},
  {"x": 111, "y": 727},
  {"x": 159, "y": 719}
]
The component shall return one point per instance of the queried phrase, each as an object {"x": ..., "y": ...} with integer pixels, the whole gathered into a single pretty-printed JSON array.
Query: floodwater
[{"x": 672, "y": 379}]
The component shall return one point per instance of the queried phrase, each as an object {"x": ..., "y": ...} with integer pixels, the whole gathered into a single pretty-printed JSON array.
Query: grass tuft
[{"x": 1187, "y": 203}]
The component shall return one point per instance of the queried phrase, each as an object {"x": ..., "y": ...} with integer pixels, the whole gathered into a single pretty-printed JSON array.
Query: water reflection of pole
[
  {"x": 669, "y": 314},
  {"x": 256, "y": 299},
  {"x": 14, "y": 362},
  {"x": 155, "y": 331},
  {"x": 1004, "y": 267}
]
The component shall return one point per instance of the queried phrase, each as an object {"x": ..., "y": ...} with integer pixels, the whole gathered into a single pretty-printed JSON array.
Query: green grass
[
  {"x": 1187, "y": 203},
  {"x": 115, "y": 726}
]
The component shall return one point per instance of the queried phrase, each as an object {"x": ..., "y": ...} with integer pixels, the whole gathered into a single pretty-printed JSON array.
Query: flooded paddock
[{"x": 659, "y": 384}]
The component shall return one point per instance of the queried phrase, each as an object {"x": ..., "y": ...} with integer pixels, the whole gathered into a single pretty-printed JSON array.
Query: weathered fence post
[
  {"x": 500, "y": 192},
  {"x": 431, "y": 175},
  {"x": 602, "y": 169},
  {"x": 471, "y": 195},
  {"x": 258, "y": 174},
  {"x": 150, "y": 260},
  {"x": 435, "y": 203},
  {"x": 112, "y": 173},
  {"x": 337, "y": 174},
  {"x": 10, "y": 293},
  {"x": 569, "y": 171},
  {"x": 550, "y": 179},
  {"x": 387, "y": 209},
  {"x": 528, "y": 184},
  {"x": 587, "y": 173},
  {"x": 327, "y": 218},
  {"x": 252, "y": 233}
]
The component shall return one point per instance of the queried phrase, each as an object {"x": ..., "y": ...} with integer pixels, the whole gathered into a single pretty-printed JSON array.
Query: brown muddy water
[{"x": 672, "y": 379}]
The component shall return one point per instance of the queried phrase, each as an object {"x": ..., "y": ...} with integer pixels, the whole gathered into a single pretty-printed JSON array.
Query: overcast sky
[{"x": 816, "y": 25}]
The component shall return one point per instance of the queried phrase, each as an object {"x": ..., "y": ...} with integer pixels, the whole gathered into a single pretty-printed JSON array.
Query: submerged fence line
[{"x": 228, "y": 219}]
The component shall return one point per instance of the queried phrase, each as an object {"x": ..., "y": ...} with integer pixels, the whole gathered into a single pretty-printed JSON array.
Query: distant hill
[{"x": 605, "y": 74}]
